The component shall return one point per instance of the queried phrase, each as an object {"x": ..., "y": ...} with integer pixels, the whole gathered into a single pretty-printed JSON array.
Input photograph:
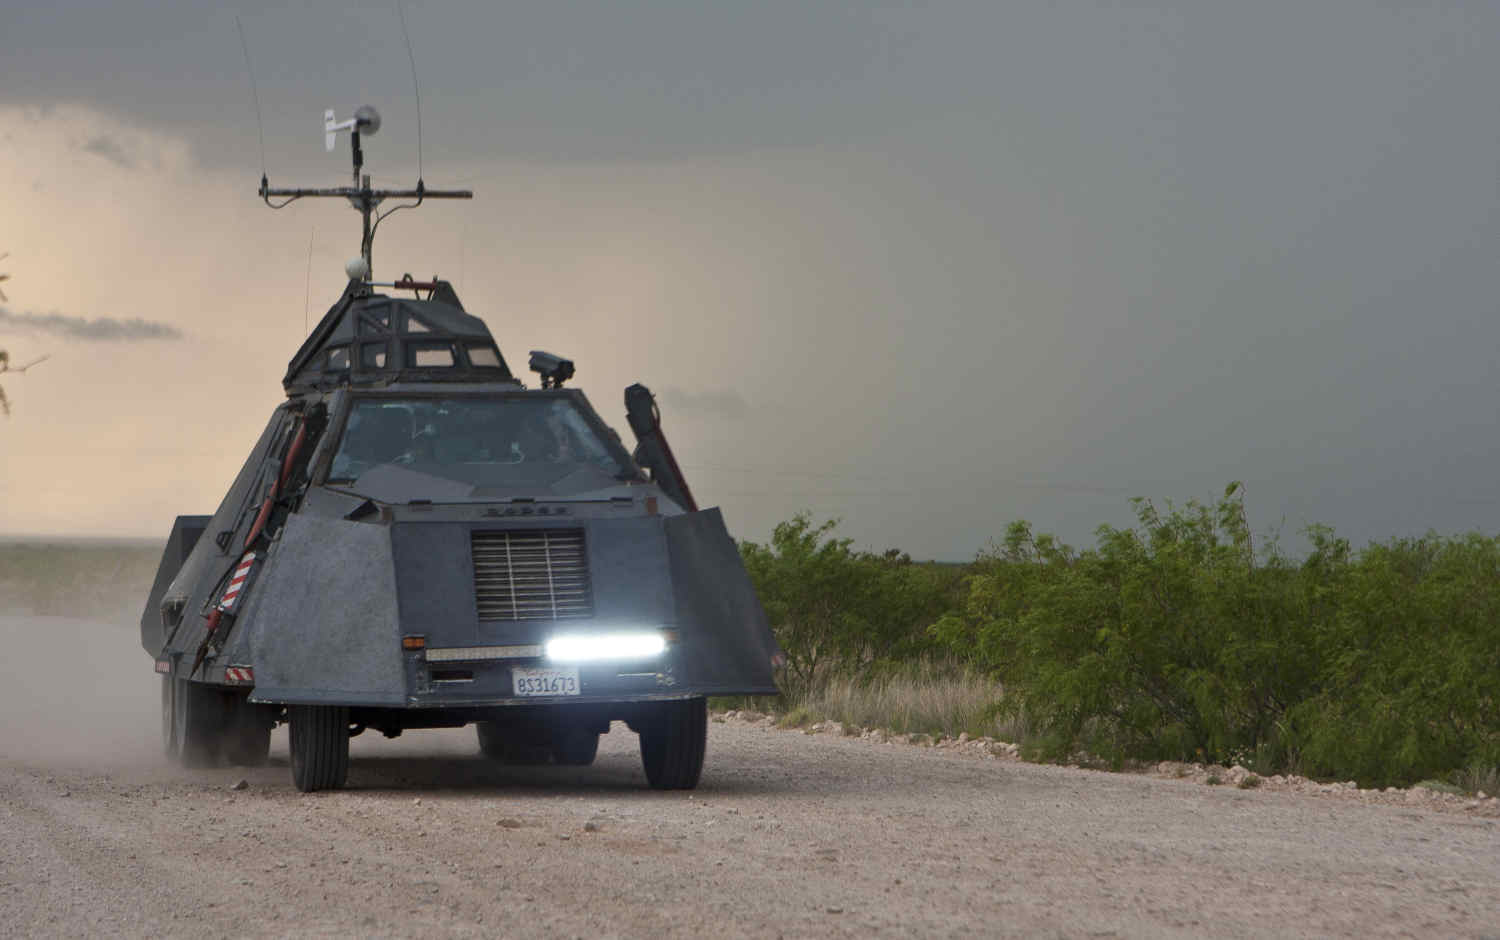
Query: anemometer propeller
[{"x": 365, "y": 119}]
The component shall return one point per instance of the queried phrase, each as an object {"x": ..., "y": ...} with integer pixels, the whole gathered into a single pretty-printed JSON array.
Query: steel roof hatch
[{"x": 370, "y": 339}]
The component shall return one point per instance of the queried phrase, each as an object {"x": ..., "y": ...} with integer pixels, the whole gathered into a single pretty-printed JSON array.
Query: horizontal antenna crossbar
[{"x": 347, "y": 192}]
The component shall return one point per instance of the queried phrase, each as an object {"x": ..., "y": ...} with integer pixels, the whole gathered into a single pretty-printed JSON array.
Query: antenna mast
[{"x": 360, "y": 195}]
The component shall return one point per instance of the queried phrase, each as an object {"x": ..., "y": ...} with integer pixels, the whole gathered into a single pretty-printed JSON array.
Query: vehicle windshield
[{"x": 482, "y": 442}]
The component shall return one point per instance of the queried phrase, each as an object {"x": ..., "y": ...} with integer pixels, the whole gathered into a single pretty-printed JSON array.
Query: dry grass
[
  {"x": 936, "y": 698},
  {"x": 1478, "y": 778},
  {"x": 929, "y": 698}
]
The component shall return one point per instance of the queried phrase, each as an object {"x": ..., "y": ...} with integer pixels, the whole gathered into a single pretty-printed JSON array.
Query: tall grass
[
  {"x": 933, "y": 697},
  {"x": 930, "y": 698}
]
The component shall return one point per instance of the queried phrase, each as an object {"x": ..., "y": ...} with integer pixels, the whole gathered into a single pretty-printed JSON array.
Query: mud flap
[{"x": 185, "y": 533}]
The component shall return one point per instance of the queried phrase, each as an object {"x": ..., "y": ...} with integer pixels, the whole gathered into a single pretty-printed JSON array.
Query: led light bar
[
  {"x": 593, "y": 646},
  {"x": 461, "y": 654}
]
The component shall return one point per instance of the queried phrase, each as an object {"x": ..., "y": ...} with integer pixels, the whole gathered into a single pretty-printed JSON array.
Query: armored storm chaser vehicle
[{"x": 417, "y": 540}]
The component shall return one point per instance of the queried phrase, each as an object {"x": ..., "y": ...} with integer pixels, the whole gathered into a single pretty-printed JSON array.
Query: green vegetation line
[{"x": 1181, "y": 638}]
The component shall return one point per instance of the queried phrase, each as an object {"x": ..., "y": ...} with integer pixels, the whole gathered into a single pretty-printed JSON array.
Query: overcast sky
[{"x": 927, "y": 267}]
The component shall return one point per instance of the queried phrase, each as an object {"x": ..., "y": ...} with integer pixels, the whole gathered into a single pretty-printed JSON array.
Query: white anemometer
[{"x": 366, "y": 120}]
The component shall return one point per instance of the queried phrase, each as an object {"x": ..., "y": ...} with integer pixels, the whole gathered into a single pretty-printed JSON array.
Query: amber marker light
[{"x": 413, "y": 642}]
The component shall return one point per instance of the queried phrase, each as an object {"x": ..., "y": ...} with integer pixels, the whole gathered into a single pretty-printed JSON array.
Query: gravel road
[{"x": 789, "y": 834}]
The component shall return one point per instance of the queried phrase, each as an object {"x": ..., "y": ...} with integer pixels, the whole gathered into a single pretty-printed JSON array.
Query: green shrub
[
  {"x": 1182, "y": 637},
  {"x": 839, "y": 611},
  {"x": 1412, "y": 664},
  {"x": 1171, "y": 640}
]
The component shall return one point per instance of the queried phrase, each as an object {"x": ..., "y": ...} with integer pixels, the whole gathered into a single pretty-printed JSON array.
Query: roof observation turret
[{"x": 370, "y": 339}]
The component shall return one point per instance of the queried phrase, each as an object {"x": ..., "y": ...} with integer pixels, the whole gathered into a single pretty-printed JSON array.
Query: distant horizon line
[{"x": 29, "y": 538}]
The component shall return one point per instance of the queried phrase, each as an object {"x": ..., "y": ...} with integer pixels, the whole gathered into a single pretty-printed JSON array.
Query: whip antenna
[
  {"x": 307, "y": 288},
  {"x": 260, "y": 129},
  {"x": 416, "y": 89}
]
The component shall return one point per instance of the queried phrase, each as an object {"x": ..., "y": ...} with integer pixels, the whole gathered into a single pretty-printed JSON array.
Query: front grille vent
[{"x": 531, "y": 574}]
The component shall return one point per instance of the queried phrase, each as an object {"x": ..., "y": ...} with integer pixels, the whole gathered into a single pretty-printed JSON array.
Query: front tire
[
  {"x": 319, "y": 745},
  {"x": 673, "y": 742}
]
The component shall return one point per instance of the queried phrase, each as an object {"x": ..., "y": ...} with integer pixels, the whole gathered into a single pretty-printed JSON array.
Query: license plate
[{"x": 545, "y": 682}]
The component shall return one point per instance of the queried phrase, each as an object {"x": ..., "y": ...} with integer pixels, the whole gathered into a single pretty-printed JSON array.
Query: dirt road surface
[{"x": 788, "y": 835}]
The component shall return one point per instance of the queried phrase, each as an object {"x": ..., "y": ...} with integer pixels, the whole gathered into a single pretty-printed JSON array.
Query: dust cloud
[
  {"x": 77, "y": 692},
  {"x": 76, "y": 687}
]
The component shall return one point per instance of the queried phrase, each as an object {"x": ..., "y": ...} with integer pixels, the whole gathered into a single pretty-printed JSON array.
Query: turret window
[
  {"x": 429, "y": 355},
  {"x": 372, "y": 355},
  {"x": 484, "y": 356}
]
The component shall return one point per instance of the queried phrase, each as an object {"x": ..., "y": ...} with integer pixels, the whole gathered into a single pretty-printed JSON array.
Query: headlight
[{"x": 587, "y": 646}]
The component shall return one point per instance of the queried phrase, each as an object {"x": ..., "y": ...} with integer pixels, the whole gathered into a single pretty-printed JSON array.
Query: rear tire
[
  {"x": 197, "y": 723},
  {"x": 673, "y": 742},
  {"x": 575, "y": 747},
  {"x": 510, "y": 746},
  {"x": 491, "y": 741},
  {"x": 319, "y": 745},
  {"x": 168, "y": 717},
  {"x": 247, "y": 742}
]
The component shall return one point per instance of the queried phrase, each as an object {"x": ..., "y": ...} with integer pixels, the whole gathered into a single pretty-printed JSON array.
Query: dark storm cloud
[
  {"x": 577, "y": 82},
  {"x": 710, "y": 403},
  {"x": 1098, "y": 246},
  {"x": 110, "y": 150},
  {"x": 99, "y": 329}
]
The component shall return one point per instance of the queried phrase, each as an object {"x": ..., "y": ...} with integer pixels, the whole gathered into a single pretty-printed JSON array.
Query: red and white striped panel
[
  {"x": 237, "y": 582},
  {"x": 239, "y": 674}
]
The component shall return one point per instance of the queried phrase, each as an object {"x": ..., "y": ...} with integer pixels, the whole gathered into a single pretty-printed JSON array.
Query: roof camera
[{"x": 554, "y": 370}]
